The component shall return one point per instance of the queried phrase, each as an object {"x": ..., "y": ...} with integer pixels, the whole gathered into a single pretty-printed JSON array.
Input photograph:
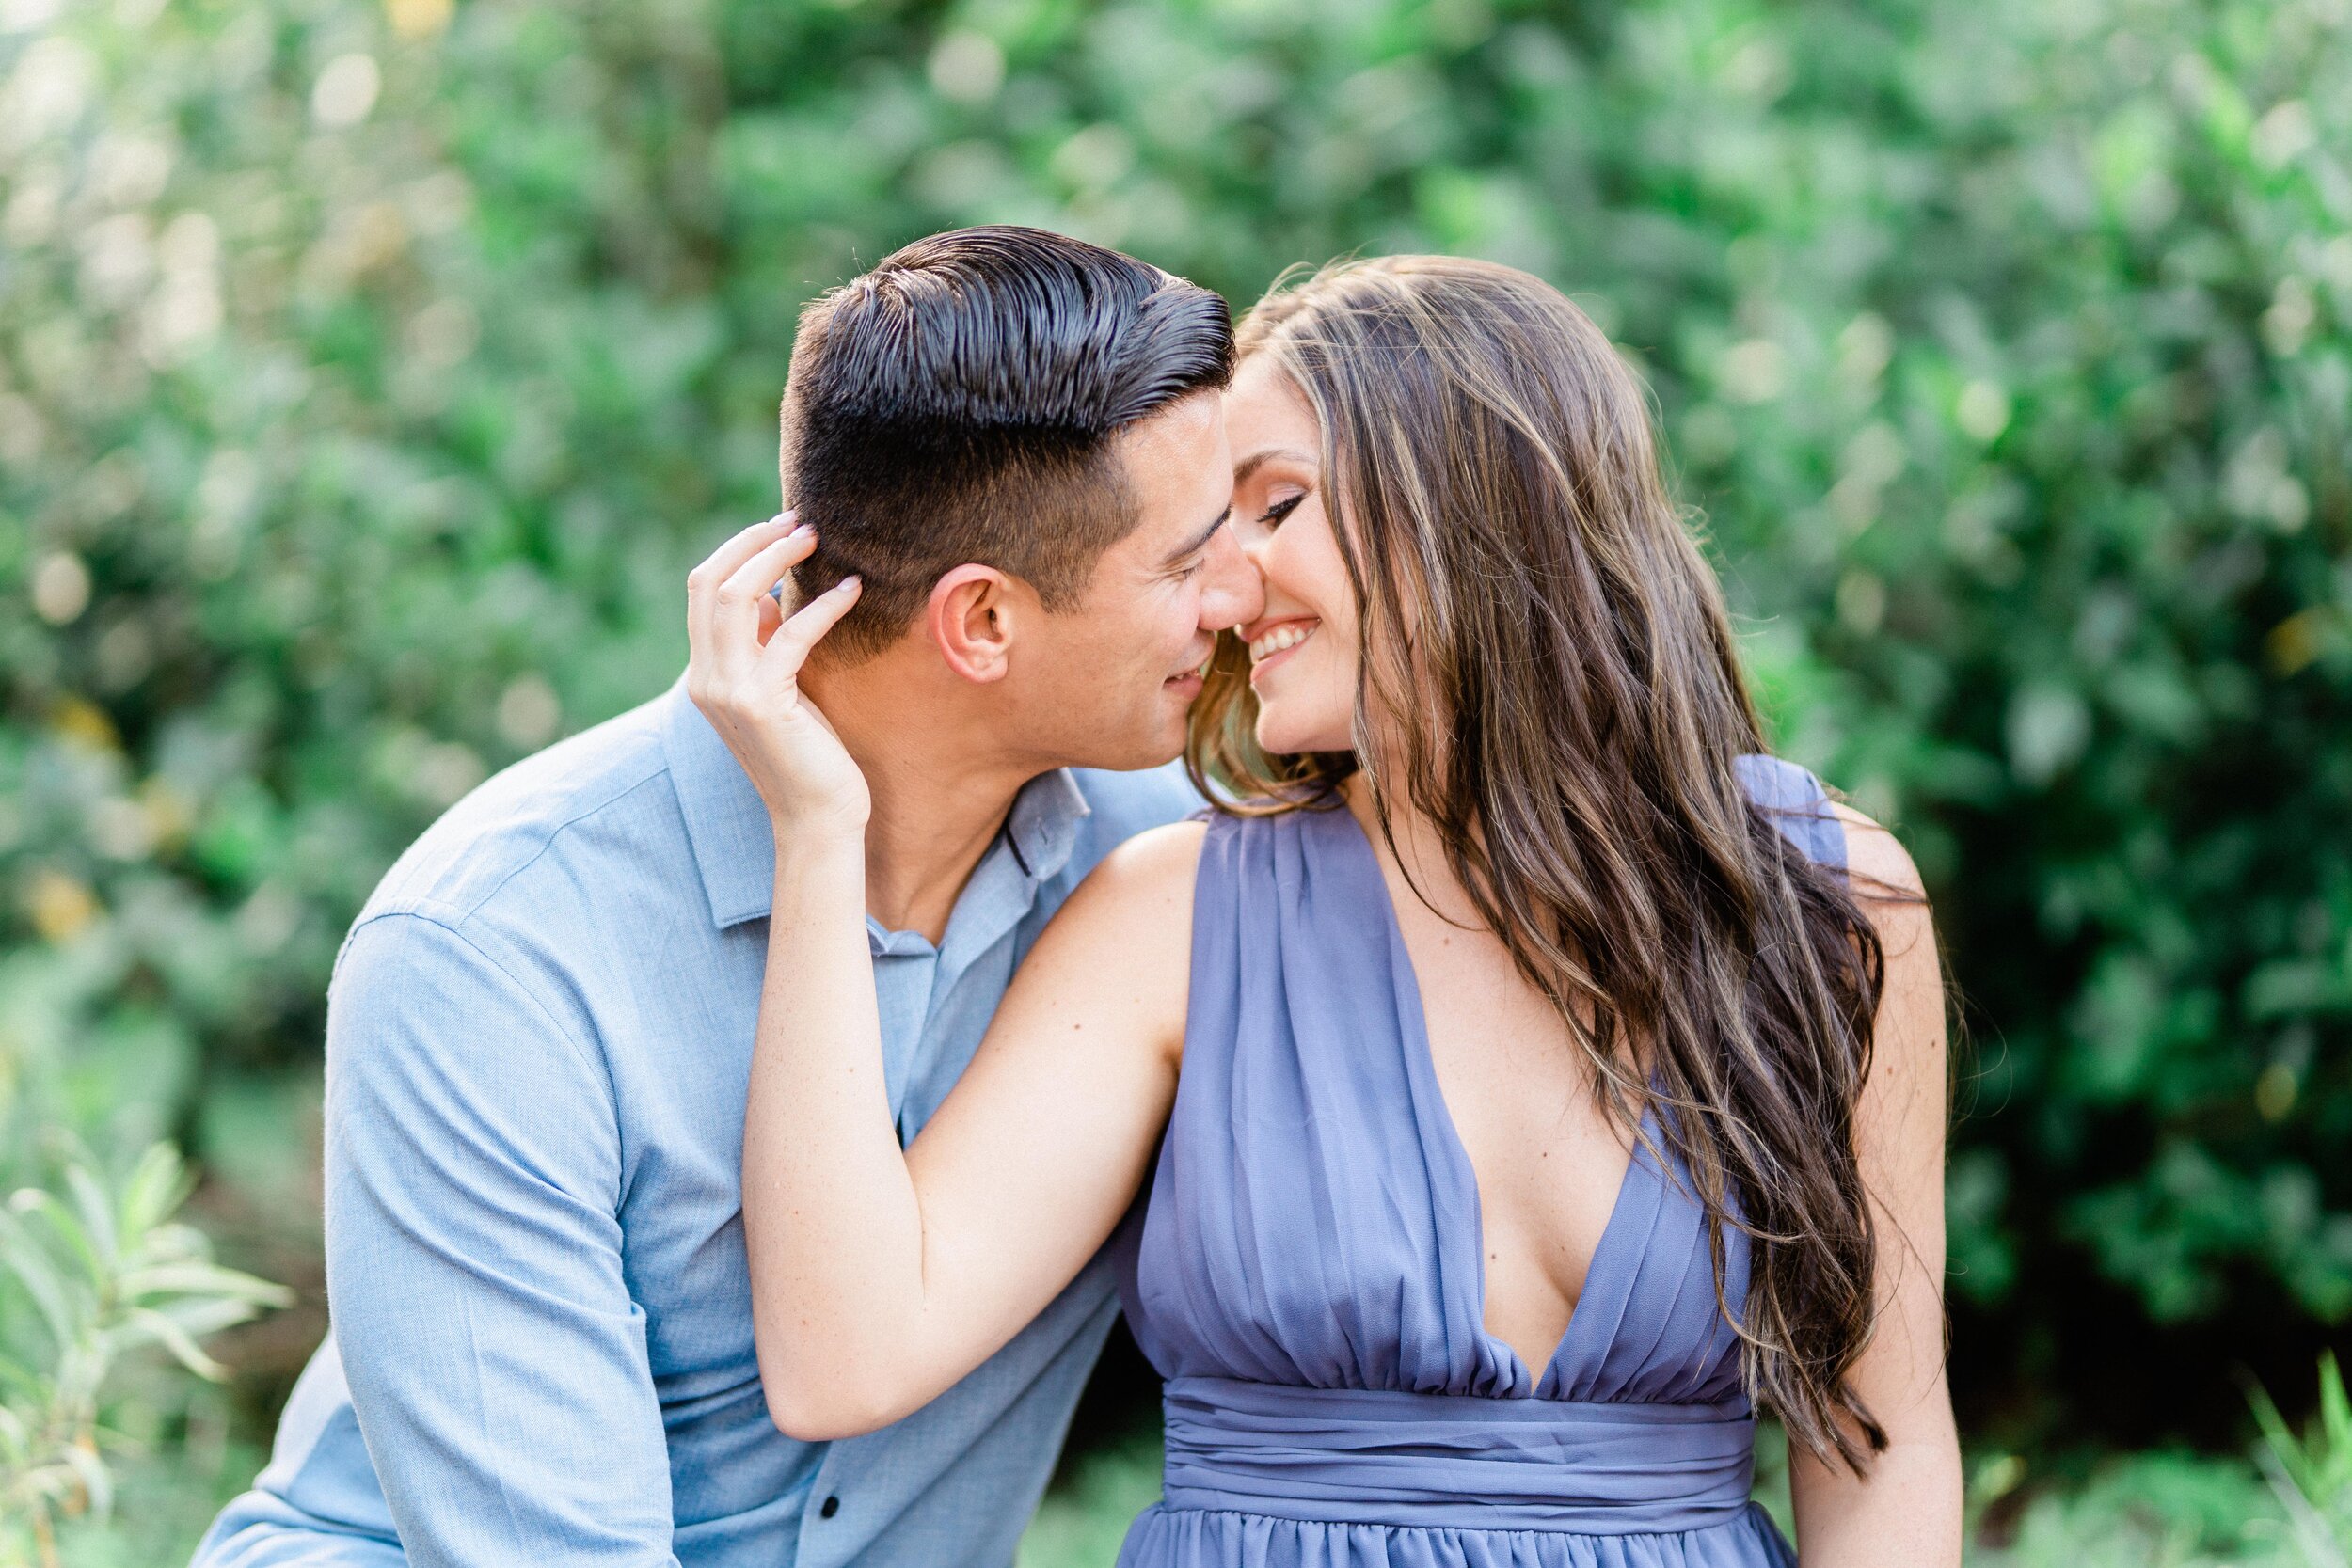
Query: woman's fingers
[
  {"x": 702, "y": 583},
  {"x": 748, "y": 693},
  {"x": 735, "y": 607},
  {"x": 806, "y": 627},
  {"x": 758, "y": 576},
  {"x": 745, "y": 545},
  {"x": 732, "y": 616}
]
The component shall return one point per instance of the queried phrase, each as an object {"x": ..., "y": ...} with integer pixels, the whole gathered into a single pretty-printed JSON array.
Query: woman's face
[{"x": 1302, "y": 649}]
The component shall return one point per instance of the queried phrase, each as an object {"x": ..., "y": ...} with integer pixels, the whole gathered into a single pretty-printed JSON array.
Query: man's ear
[{"x": 971, "y": 618}]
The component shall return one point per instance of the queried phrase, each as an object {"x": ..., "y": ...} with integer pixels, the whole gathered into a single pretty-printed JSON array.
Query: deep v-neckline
[{"x": 1429, "y": 1092}]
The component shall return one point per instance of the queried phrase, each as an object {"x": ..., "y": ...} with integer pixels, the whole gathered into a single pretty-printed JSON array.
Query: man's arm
[{"x": 497, "y": 1363}]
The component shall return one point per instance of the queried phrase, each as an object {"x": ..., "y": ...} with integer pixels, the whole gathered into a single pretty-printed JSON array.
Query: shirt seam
[
  {"x": 467, "y": 911},
  {"x": 429, "y": 912}
]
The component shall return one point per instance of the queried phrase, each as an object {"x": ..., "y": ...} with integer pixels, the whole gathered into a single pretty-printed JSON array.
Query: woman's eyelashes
[{"x": 1271, "y": 516}]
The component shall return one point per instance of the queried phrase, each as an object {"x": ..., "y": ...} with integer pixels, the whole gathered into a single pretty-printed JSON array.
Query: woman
[{"x": 1549, "y": 1089}]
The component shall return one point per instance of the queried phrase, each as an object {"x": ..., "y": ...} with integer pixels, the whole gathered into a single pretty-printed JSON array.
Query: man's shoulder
[
  {"x": 604, "y": 793},
  {"x": 1121, "y": 806}
]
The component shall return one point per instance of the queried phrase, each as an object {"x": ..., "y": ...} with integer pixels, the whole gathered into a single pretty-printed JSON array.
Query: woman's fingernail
[
  {"x": 805, "y": 528},
  {"x": 850, "y": 582}
]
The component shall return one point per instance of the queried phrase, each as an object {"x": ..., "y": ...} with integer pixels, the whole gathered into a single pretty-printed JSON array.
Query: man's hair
[{"x": 958, "y": 403}]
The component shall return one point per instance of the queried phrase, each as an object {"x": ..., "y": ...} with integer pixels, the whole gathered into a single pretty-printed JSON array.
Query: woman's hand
[{"x": 744, "y": 674}]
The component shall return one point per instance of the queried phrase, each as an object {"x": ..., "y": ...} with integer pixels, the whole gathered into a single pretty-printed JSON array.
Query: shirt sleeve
[{"x": 497, "y": 1365}]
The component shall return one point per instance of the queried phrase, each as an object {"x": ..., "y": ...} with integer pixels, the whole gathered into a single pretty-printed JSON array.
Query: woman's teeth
[{"x": 1279, "y": 638}]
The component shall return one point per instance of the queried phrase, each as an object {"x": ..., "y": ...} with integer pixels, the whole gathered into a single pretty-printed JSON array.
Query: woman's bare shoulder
[
  {"x": 1876, "y": 857},
  {"x": 1119, "y": 954},
  {"x": 1138, "y": 894},
  {"x": 1886, "y": 884},
  {"x": 1158, "y": 859}
]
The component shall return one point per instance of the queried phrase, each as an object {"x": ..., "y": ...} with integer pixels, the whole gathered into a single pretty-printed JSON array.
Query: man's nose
[{"x": 1234, "y": 594}]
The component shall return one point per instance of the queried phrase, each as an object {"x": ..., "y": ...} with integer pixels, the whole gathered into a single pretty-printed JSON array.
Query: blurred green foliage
[
  {"x": 92, "y": 1273},
  {"x": 370, "y": 374},
  {"x": 2313, "y": 1474}
]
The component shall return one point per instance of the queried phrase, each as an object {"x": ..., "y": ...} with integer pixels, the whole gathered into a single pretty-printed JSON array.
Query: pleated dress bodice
[{"x": 1309, "y": 1272}]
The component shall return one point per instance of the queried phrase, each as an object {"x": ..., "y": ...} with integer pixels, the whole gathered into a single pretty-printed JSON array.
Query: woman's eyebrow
[{"x": 1256, "y": 460}]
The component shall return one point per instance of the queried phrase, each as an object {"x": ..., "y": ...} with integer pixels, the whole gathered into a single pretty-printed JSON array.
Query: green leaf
[{"x": 160, "y": 1327}]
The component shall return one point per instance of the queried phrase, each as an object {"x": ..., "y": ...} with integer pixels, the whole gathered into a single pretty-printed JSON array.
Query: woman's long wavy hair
[{"x": 1556, "y": 649}]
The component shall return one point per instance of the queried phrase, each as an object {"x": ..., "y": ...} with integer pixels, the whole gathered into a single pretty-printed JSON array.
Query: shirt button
[{"x": 829, "y": 1507}]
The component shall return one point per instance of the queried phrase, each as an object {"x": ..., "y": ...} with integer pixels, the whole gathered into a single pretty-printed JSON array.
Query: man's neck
[{"x": 939, "y": 777}]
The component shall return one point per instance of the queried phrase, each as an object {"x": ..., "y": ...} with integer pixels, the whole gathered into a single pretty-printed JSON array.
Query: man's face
[{"x": 1107, "y": 683}]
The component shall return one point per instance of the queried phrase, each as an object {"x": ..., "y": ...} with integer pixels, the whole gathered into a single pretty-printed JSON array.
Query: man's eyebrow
[
  {"x": 1198, "y": 541},
  {"x": 1256, "y": 460}
]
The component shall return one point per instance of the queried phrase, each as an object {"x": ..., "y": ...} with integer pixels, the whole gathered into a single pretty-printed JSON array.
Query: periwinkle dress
[{"x": 1309, "y": 1274}]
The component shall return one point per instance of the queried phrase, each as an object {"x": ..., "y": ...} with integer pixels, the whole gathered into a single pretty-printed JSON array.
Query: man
[{"x": 540, "y": 1028}]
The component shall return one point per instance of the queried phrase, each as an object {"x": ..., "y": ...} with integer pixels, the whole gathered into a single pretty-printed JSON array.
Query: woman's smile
[{"x": 1268, "y": 647}]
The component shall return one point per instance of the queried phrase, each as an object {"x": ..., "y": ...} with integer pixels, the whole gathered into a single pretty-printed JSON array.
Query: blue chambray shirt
[{"x": 539, "y": 1035}]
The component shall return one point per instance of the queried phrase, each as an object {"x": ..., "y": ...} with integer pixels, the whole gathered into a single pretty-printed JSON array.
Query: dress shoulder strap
[{"x": 1798, "y": 804}]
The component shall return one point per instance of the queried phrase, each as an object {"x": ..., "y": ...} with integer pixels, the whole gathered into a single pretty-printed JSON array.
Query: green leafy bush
[
  {"x": 89, "y": 1275},
  {"x": 370, "y": 375},
  {"x": 2313, "y": 1475}
]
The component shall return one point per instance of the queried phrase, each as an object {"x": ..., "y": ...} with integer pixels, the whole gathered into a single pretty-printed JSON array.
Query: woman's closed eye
[{"x": 1271, "y": 516}]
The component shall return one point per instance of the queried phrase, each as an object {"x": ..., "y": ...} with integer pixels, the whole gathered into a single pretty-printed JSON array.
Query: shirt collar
[
  {"x": 1043, "y": 827},
  {"x": 727, "y": 822}
]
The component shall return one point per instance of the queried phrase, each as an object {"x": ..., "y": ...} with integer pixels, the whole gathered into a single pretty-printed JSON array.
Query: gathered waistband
[{"x": 1454, "y": 1461}]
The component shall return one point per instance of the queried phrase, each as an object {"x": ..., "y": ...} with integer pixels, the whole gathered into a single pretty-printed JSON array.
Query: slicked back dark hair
[{"x": 958, "y": 403}]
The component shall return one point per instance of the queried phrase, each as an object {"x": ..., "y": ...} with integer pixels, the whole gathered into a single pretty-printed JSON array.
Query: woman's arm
[
  {"x": 1907, "y": 1509},
  {"x": 880, "y": 1277}
]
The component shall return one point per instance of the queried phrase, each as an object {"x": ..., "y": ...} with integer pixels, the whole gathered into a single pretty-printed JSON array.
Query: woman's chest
[{"x": 1518, "y": 1088}]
